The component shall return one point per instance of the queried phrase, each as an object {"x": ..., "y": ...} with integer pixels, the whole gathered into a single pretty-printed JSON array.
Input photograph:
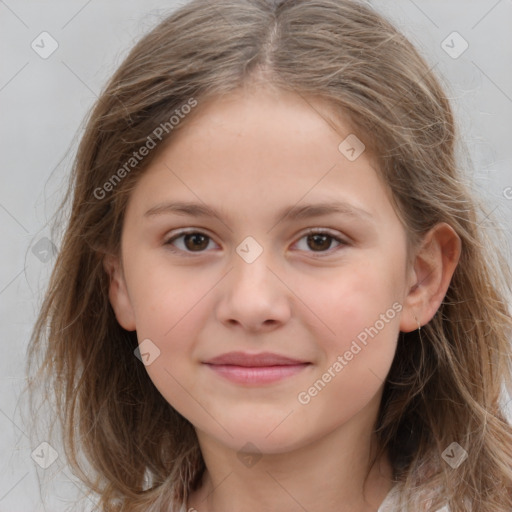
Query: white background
[{"x": 43, "y": 102}]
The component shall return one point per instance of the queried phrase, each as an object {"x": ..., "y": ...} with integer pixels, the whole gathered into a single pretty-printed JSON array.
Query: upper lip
[{"x": 252, "y": 360}]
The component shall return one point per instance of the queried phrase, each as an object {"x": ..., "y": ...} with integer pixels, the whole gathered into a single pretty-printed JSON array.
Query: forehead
[
  {"x": 260, "y": 148},
  {"x": 252, "y": 111}
]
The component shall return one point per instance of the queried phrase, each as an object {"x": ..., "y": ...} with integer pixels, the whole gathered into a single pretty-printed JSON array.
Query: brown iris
[
  {"x": 195, "y": 241},
  {"x": 322, "y": 242}
]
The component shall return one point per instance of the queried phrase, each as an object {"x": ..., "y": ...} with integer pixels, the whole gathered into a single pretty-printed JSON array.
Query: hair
[{"x": 124, "y": 441}]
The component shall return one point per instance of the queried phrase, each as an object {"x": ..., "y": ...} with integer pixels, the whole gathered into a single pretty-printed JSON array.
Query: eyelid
[
  {"x": 335, "y": 235},
  {"x": 326, "y": 231},
  {"x": 173, "y": 235}
]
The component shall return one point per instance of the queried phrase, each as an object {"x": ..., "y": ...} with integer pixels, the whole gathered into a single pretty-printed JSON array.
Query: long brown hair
[{"x": 122, "y": 438}]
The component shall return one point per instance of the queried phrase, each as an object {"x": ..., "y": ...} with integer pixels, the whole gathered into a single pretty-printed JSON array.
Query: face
[{"x": 273, "y": 316}]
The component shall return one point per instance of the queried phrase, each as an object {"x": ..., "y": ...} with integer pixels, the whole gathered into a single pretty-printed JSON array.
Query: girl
[{"x": 274, "y": 292}]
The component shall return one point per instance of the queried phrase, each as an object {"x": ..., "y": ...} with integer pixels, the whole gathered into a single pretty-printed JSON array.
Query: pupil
[
  {"x": 321, "y": 238},
  {"x": 198, "y": 241}
]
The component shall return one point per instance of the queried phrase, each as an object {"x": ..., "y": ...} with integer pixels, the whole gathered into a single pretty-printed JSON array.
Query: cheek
[
  {"x": 350, "y": 301},
  {"x": 171, "y": 307},
  {"x": 362, "y": 310},
  {"x": 168, "y": 299},
  {"x": 173, "y": 324},
  {"x": 360, "y": 304}
]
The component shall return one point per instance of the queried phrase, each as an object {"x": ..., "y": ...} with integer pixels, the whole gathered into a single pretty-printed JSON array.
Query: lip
[
  {"x": 254, "y": 360},
  {"x": 255, "y": 369}
]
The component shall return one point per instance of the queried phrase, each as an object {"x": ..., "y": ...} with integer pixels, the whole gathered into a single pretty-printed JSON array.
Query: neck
[{"x": 328, "y": 474}]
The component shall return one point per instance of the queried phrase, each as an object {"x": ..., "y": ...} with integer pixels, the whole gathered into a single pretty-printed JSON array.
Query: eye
[
  {"x": 316, "y": 241},
  {"x": 189, "y": 241},
  {"x": 320, "y": 241}
]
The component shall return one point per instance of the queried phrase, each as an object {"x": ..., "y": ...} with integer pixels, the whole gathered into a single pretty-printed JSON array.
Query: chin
[
  {"x": 272, "y": 445},
  {"x": 263, "y": 435}
]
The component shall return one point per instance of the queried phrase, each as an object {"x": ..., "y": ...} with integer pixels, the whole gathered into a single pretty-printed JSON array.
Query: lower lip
[{"x": 257, "y": 374}]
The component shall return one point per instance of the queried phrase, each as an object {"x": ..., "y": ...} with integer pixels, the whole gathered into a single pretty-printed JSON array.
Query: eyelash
[{"x": 314, "y": 231}]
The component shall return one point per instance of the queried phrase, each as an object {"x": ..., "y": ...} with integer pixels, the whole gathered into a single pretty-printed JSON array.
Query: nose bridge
[
  {"x": 251, "y": 263},
  {"x": 252, "y": 295}
]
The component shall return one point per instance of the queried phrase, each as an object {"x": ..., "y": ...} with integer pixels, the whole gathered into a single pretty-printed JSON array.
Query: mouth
[{"x": 255, "y": 369}]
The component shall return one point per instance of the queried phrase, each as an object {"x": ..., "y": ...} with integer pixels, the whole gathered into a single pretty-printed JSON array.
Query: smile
[{"x": 255, "y": 369}]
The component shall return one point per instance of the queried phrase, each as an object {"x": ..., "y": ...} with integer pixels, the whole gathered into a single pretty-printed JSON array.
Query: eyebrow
[{"x": 293, "y": 212}]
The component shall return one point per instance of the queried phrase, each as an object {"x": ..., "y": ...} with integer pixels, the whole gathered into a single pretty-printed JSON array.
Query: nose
[{"x": 253, "y": 297}]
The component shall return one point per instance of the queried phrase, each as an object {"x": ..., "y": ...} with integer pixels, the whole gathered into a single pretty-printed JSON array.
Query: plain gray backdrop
[{"x": 44, "y": 97}]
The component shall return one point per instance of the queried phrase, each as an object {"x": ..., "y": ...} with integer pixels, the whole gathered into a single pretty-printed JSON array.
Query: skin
[{"x": 249, "y": 155}]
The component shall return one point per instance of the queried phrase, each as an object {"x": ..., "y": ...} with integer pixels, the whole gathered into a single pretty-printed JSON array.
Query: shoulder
[{"x": 392, "y": 502}]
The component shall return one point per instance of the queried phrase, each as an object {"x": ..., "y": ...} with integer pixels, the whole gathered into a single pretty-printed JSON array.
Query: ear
[
  {"x": 118, "y": 293},
  {"x": 430, "y": 276}
]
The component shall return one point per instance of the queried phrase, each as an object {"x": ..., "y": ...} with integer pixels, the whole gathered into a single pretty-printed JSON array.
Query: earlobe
[
  {"x": 118, "y": 293},
  {"x": 433, "y": 269}
]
